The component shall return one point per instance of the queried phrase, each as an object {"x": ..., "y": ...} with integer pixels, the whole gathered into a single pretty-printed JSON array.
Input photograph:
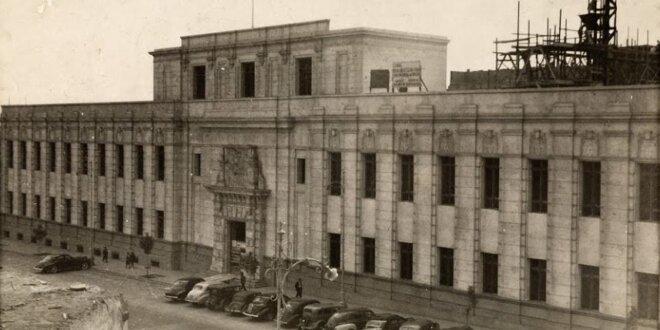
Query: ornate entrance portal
[{"x": 239, "y": 209}]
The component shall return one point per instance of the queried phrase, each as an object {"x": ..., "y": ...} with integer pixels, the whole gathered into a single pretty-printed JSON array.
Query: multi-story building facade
[{"x": 271, "y": 140}]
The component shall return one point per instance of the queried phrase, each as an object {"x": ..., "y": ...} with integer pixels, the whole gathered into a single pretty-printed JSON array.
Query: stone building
[{"x": 272, "y": 141}]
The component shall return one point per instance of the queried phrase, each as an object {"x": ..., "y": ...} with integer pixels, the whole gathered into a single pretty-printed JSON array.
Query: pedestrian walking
[
  {"x": 298, "y": 287},
  {"x": 128, "y": 260},
  {"x": 243, "y": 281},
  {"x": 105, "y": 254},
  {"x": 134, "y": 260}
]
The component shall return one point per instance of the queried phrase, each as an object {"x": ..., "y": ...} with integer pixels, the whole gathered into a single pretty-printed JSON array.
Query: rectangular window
[
  {"x": 491, "y": 190},
  {"x": 304, "y": 76},
  {"x": 446, "y": 271},
  {"x": 406, "y": 186},
  {"x": 119, "y": 160},
  {"x": 591, "y": 189},
  {"x": 67, "y": 157},
  {"x": 139, "y": 162},
  {"x": 22, "y": 154},
  {"x": 120, "y": 218},
  {"x": 647, "y": 296},
  {"x": 37, "y": 206},
  {"x": 300, "y": 170},
  {"x": 52, "y": 156},
  {"x": 100, "y": 155},
  {"x": 489, "y": 272},
  {"x": 84, "y": 159},
  {"x": 199, "y": 82},
  {"x": 10, "y": 202},
  {"x": 537, "y": 275},
  {"x": 67, "y": 210},
  {"x": 247, "y": 79},
  {"x": 649, "y": 192},
  {"x": 101, "y": 215},
  {"x": 52, "y": 209},
  {"x": 368, "y": 255},
  {"x": 139, "y": 217},
  {"x": 335, "y": 174},
  {"x": 335, "y": 250},
  {"x": 160, "y": 224},
  {"x": 589, "y": 286},
  {"x": 447, "y": 180},
  {"x": 36, "y": 156},
  {"x": 23, "y": 204},
  {"x": 197, "y": 164},
  {"x": 369, "y": 162},
  {"x": 160, "y": 163},
  {"x": 83, "y": 213},
  {"x": 10, "y": 154},
  {"x": 539, "y": 185},
  {"x": 406, "y": 261}
]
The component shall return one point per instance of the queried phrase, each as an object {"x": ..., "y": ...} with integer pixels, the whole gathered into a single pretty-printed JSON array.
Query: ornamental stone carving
[
  {"x": 446, "y": 141},
  {"x": 334, "y": 141},
  {"x": 589, "y": 147},
  {"x": 406, "y": 142},
  {"x": 489, "y": 142},
  {"x": 537, "y": 143},
  {"x": 240, "y": 168},
  {"x": 368, "y": 139},
  {"x": 647, "y": 143},
  {"x": 159, "y": 136}
]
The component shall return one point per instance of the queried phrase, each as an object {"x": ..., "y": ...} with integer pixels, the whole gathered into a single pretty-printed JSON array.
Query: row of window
[
  {"x": 649, "y": 183},
  {"x": 248, "y": 78},
  {"x": 51, "y": 160},
  {"x": 51, "y": 208},
  {"x": 589, "y": 275}
]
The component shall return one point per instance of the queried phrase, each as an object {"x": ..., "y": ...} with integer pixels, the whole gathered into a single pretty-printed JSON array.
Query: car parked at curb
[
  {"x": 221, "y": 294},
  {"x": 293, "y": 311},
  {"x": 349, "y": 319},
  {"x": 419, "y": 324},
  {"x": 181, "y": 287},
  {"x": 58, "y": 262},
  {"x": 264, "y": 306},
  {"x": 315, "y": 316},
  {"x": 199, "y": 294},
  {"x": 240, "y": 300},
  {"x": 385, "y": 321}
]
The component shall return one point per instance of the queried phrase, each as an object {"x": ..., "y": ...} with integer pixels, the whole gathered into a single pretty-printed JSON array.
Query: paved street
[{"x": 147, "y": 306}]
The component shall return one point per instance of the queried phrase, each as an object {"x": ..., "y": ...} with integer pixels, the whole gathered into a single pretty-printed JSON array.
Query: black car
[
  {"x": 264, "y": 306},
  {"x": 385, "y": 321},
  {"x": 181, "y": 287},
  {"x": 356, "y": 317},
  {"x": 240, "y": 300},
  {"x": 58, "y": 262},
  {"x": 315, "y": 316},
  {"x": 220, "y": 294},
  {"x": 293, "y": 311},
  {"x": 413, "y": 324}
]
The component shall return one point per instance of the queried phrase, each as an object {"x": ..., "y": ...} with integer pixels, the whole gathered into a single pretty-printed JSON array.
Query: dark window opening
[
  {"x": 114, "y": 255},
  {"x": 52, "y": 156},
  {"x": 119, "y": 160},
  {"x": 84, "y": 155},
  {"x": 64, "y": 245},
  {"x": 335, "y": 250},
  {"x": 80, "y": 248},
  {"x": 304, "y": 71},
  {"x": 160, "y": 224},
  {"x": 537, "y": 279},
  {"x": 649, "y": 192},
  {"x": 139, "y": 216},
  {"x": 489, "y": 272},
  {"x": 406, "y": 261},
  {"x": 22, "y": 150},
  {"x": 591, "y": 189},
  {"x": 199, "y": 82},
  {"x": 589, "y": 286},
  {"x": 67, "y": 210},
  {"x": 83, "y": 213},
  {"x": 369, "y": 161},
  {"x": 491, "y": 190},
  {"x": 37, "y": 206},
  {"x": 406, "y": 185},
  {"x": 155, "y": 263},
  {"x": 446, "y": 271},
  {"x": 33, "y": 239},
  {"x": 36, "y": 156},
  {"x": 139, "y": 162},
  {"x": 447, "y": 180},
  {"x": 539, "y": 185},
  {"x": 101, "y": 215},
  {"x": 120, "y": 219},
  {"x": 48, "y": 242},
  {"x": 247, "y": 79},
  {"x": 10, "y": 154},
  {"x": 23, "y": 203},
  {"x": 100, "y": 154},
  {"x": 97, "y": 252},
  {"x": 6, "y": 233},
  {"x": 67, "y": 157},
  {"x": 160, "y": 163},
  {"x": 369, "y": 255},
  {"x": 197, "y": 164},
  {"x": 335, "y": 174},
  {"x": 52, "y": 208},
  {"x": 300, "y": 170},
  {"x": 19, "y": 236},
  {"x": 647, "y": 296},
  {"x": 10, "y": 202}
]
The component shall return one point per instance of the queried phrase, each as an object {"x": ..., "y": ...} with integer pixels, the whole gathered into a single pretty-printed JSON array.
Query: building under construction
[{"x": 591, "y": 55}]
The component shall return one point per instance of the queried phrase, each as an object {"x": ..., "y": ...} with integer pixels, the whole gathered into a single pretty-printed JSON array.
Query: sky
[{"x": 69, "y": 51}]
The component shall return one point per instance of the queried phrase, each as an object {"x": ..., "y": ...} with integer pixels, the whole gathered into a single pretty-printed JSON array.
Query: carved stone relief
[
  {"x": 446, "y": 141},
  {"x": 538, "y": 143},
  {"x": 489, "y": 142},
  {"x": 648, "y": 145},
  {"x": 368, "y": 139},
  {"x": 589, "y": 144},
  {"x": 334, "y": 140},
  {"x": 406, "y": 141}
]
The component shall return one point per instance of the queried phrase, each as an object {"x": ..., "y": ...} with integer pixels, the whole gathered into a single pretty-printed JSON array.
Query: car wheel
[
  {"x": 52, "y": 269},
  {"x": 271, "y": 315},
  {"x": 84, "y": 266}
]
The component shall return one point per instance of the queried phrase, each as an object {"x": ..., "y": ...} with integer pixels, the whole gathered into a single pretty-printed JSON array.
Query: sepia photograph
[{"x": 330, "y": 164}]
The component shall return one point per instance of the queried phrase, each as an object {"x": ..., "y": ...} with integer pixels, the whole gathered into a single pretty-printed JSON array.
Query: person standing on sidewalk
[
  {"x": 298, "y": 287},
  {"x": 129, "y": 260},
  {"x": 243, "y": 281},
  {"x": 105, "y": 254}
]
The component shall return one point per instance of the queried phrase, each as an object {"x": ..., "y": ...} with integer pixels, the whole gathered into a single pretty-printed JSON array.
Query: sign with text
[{"x": 407, "y": 74}]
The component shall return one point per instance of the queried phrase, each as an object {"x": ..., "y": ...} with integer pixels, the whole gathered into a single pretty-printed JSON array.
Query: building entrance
[{"x": 237, "y": 244}]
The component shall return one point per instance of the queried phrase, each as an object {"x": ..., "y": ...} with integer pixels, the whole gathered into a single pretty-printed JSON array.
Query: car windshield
[
  {"x": 199, "y": 286},
  {"x": 293, "y": 304},
  {"x": 180, "y": 283},
  {"x": 261, "y": 299},
  {"x": 410, "y": 327},
  {"x": 49, "y": 258},
  {"x": 375, "y": 324}
]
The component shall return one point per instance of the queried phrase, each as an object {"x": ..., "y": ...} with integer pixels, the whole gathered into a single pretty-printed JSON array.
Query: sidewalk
[{"x": 167, "y": 277}]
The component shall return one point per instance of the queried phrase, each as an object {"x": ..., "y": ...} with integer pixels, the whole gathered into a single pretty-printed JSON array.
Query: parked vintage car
[
  {"x": 315, "y": 316},
  {"x": 200, "y": 293},
  {"x": 221, "y": 294},
  {"x": 414, "y": 324},
  {"x": 385, "y": 321},
  {"x": 293, "y": 311},
  {"x": 264, "y": 306},
  {"x": 58, "y": 262},
  {"x": 240, "y": 300},
  {"x": 349, "y": 319},
  {"x": 181, "y": 287}
]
